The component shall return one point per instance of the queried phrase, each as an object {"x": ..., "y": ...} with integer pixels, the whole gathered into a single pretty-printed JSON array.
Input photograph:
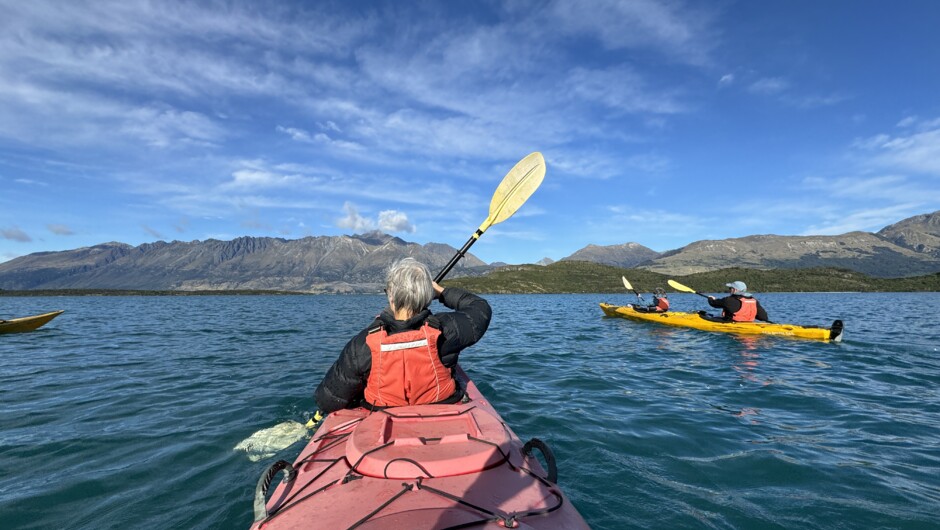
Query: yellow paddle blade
[
  {"x": 679, "y": 287},
  {"x": 626, "y": 283},
  {"x": 315, "y": 420},
  {"x": 516, "y": 188}
]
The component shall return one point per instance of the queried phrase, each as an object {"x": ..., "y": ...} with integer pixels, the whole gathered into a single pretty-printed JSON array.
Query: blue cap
[{"x": 737, "y": 286}]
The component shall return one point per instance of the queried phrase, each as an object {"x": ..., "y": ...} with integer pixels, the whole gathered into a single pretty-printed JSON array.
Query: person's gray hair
[{"x": 408, "y": 285}]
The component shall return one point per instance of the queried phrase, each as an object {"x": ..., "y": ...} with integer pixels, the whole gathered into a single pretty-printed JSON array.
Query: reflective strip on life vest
[{"x": 405, "y": 345}]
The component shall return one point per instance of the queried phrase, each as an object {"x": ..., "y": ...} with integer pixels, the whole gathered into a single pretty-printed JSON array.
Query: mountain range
[
  {"x": 325, "y": 264},
  {"x": 909, "y": 247},
  {"x": 351, "y": 264}
]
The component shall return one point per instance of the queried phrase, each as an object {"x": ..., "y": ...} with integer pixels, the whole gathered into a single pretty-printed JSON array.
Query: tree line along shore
[{"x": 587, "y": 277}]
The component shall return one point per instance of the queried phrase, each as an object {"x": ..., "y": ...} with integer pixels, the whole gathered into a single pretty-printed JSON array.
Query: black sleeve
[
  {"x": 729, "y": 305},
  {"x": 464, "y": 326},
  {"x": 344, "y": 382},
  {"x": 761, "y": 314}
]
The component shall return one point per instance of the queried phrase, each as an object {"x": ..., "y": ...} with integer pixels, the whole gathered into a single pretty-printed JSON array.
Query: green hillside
[{"x": 585, "y": 277}]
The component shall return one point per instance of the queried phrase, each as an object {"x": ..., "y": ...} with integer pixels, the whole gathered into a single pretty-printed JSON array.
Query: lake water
[{"x": 123, "y": 412}]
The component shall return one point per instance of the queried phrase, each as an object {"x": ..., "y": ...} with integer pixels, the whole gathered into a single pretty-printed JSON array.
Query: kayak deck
[
  {"x": 698, "y": 321},
  {"x": 425, "y": 466},
  {"x": 17, "y": 325}
]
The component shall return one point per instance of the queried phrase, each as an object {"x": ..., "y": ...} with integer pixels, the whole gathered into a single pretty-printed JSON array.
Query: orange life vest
[
  {"x": 406, "y": 368},
  {"x": 748, "y": 311},
  {"x": 661, "y": 303}
]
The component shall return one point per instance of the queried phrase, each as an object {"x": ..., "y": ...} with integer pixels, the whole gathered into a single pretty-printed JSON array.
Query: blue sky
[{"x": 661, "y": 122}]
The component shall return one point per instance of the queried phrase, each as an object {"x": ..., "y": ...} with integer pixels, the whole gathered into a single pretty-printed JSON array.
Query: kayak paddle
[
  {"x": 630, "y": 288},
  {"x": 679, "y": 287},
  {"x": 516, "y": 188}
]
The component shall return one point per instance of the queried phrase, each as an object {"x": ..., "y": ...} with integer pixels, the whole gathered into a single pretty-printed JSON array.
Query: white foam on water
[{"x": 267, "y": 442}]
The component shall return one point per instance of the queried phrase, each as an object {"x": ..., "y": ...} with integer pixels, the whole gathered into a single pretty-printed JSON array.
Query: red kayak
[{"x": 425, "y": 466}]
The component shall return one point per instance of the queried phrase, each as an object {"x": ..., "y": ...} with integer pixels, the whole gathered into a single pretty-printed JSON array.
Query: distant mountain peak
[
  {"x": 625, "y": 255},
  {"x": 376, "y": 237},
  {"x": 920, "y": 233}
]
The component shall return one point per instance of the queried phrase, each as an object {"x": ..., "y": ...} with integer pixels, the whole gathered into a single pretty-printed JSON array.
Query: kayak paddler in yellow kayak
[
  {"x": 739, "y": 305},
  {"x": 660, "y": 303}
]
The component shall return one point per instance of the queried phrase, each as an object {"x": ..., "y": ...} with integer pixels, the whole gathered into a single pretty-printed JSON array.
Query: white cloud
[
  {"x": 324, "y": 138},
  {"x": 394, "y": 221},
  {"x": 254, "y": 175},
  {"x": 300, "y": 135},
  {"x": 918, "y": 152},
  {"x": 353, "y": 221},
  {"x": 726, "y": 80},
  {"x": 329, "y": 126},
  {"x": 295, "y": 134},
  {"x": 388, "y": 221}
]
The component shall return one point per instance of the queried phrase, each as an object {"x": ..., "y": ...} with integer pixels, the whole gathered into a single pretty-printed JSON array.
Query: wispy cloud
[
  {"x": 678, "y": 29},
  {"x": 256, "y": 178},
  {"x": 216, "y": 117},
  {"x": 600, "y": 164},
  {"x": 860, "y": 187},
  {"x": 353, "y": 221},
  {"x": 918, "y": 151},
  {"x": 15, "y": 234},
  {"x": 623, "y": 89},
  {"x": 769, "y": 86},
  {"x": 60, "y": 229},
  {"x": 154, "y": 233},
  {"x": 873, "y": 219},
  {"x": 31, "y": 182}
]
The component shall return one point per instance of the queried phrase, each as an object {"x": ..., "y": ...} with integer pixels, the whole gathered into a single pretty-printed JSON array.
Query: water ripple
[{"x": 124, "y": 410}]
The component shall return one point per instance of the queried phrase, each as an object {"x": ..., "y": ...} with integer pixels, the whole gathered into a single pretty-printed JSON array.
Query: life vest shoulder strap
[{"x": 375, "y": 326}]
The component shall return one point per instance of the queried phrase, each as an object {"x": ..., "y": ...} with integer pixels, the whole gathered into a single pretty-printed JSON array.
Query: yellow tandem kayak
[
  {"x": 15, "y": 325},
  {"x": 700, "y": 321}
]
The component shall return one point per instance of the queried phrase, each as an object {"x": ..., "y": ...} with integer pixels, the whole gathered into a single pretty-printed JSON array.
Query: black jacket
[
  {"x": 344, "y": 383},
  {"x": 731, "y": 304}
]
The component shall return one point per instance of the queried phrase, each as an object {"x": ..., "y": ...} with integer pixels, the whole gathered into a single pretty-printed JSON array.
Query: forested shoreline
[{"x": 586, "y": 277}]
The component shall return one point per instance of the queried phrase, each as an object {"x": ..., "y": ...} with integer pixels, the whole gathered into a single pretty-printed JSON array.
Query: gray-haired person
[{"x": 407, "y": 355}]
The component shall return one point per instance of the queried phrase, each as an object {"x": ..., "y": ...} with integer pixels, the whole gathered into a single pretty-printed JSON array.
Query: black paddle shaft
[{"x": 460, "y": 253}]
